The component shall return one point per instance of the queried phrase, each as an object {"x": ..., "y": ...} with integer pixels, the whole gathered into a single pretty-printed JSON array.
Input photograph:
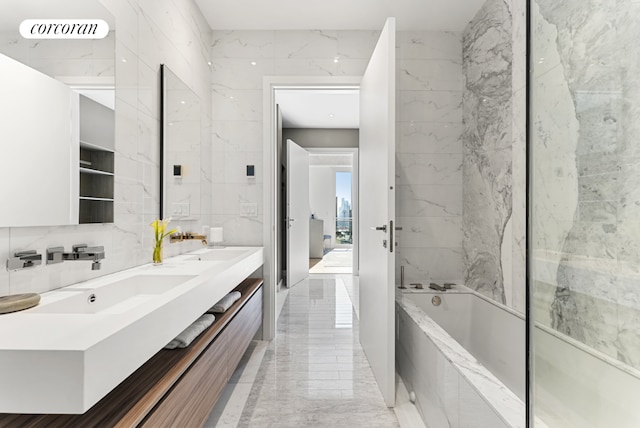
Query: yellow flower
[{"x": 159, "y": 228}]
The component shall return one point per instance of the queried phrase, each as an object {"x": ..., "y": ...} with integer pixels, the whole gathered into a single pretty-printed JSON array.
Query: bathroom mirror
[
  {"x": 57, "y": 119},
  {"x": 180, "y": 148}
]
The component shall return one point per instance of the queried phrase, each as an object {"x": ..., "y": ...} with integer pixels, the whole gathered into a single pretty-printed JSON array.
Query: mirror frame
[{"x": 162, "y": 138}]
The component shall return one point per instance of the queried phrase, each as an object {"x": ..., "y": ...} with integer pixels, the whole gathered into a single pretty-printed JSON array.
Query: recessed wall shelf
[
  {"x": 96, "y": 162},
  {"x": 86, "y": 198},
  {"x": 94, "y": 171}
]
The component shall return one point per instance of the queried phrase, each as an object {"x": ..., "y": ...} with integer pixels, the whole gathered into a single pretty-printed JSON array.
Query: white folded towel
[
  {"x": 187, "y": 336},
  {"x": 225, "y": 303}
]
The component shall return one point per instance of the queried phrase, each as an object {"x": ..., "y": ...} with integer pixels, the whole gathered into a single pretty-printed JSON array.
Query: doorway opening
[
  {"x": 332, "y": 191},
  {"x": 274, "y": 271},
  {"x": 323, "y": 122}
]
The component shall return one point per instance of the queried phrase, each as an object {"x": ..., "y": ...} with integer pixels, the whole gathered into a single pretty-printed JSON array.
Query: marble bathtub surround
[
  {"x": 493, "y": 240},
  {"x": 473, "y": 396}
]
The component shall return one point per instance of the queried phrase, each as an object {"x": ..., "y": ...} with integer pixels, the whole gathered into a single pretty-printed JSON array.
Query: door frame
[{"x": 270, "y": 186}]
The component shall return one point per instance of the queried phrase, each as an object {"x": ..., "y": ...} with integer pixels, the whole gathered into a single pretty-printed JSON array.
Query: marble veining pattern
[
  {"x": 315, "y": 373},
  {"x": 429, "y": 156},
  {"x": 430, "y": 117},
  {"x": 496, "y": 400},
  {"x": 487, "y": 111},
  {"x": 591, "y": 176}
]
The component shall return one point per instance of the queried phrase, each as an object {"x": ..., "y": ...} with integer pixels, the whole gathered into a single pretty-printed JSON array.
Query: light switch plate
[
  {"x": 180, "y": 209},
  {"x": 248, "y": 209}
]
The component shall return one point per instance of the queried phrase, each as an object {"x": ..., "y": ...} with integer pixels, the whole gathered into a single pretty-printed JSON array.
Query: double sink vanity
[{"x": 64, "y": 355}]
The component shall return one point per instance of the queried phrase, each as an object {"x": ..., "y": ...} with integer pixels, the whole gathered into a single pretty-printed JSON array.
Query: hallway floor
[
  {"x": 315, "y": 372},
  {"x": 336, "y": 260}
]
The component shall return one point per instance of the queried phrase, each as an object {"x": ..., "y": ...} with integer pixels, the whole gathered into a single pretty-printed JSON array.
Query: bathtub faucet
[{"x": 434, "y": 286}]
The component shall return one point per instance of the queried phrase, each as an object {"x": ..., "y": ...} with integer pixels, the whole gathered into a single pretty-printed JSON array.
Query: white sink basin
[
  {"x": 221, "y": 255},
  {"x": 65, "y": 354},
  {"x": 112, "y": 298}
]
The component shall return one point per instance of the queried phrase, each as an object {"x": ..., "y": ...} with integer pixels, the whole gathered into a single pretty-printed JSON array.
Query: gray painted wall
[{"x": 330, "y": 138}]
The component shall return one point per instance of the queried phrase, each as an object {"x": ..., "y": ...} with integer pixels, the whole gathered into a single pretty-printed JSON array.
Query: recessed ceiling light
[
  {"x": 123, "y": 59},
  {"x": 336, "y": 59},
  {"x": 254, "y": 63},
  {"x": 182, "y": 102},
  {"x": 331, "y": 115},
  {"x": 208, "y": 62}
]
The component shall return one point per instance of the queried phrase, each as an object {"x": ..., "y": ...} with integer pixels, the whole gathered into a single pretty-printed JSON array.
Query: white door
[
  {"x": 377, "y": 212},
  {"x": 298, "y": 213}
]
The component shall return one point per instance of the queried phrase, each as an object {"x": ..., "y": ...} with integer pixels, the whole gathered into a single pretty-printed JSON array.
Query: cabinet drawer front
[
  {"x": 243, "y": 328},
  {"x": 188, "y": 404}
]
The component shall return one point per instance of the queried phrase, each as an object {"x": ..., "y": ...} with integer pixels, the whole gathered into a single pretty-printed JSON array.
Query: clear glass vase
[{"x": 157, "y": 253}]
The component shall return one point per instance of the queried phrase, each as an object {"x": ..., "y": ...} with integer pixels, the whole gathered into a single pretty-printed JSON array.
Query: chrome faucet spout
[
  {"x": 438, "y": 287},
  {"x": 80, "y": 252}
]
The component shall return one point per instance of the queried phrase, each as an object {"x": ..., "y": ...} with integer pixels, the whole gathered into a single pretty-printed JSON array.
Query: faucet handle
[
  {"x": 83, "y": 248},
  {"x": 24, "y": 260},
  {"x": 55, "y": 255},
  {"x": 76, "y": 248}
]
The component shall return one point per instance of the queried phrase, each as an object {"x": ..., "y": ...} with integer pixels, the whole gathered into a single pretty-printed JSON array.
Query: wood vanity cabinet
[{"x": 175, "y": 388}]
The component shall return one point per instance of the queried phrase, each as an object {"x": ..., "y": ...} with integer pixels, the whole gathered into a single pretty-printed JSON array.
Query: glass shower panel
[{"x": 584, "y": 152}]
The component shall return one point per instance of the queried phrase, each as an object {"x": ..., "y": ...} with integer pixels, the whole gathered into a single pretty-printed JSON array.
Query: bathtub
[{"x": 465, "y": 359}]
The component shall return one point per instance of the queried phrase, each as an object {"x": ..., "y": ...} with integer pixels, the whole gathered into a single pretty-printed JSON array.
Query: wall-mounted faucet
[
  {"x": 24, "y": 260},
  {"x": 184, "y": 236},
  {"x": 79, "y": 252}
]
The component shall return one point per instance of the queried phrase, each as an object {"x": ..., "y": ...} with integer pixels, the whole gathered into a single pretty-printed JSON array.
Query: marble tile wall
[
  {"x": 494, "y": 152},
  {"x": 429, "y": 156},
  {"x": 429, "y": 161},
  {"x": 63, "y": 58},
  {"x": 240, "y": 60},
  {"x": 147, "y": 33},
  {"x": 585, "y": 178}
]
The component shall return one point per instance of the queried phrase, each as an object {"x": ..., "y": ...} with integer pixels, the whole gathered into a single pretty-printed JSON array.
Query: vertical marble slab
[
  {"x": 487, "y": 111},
  {"x": 519, "y": 153}
]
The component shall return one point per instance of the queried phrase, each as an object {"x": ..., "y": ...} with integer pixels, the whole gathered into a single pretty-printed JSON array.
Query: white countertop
[{"x": 65, "y": 354}]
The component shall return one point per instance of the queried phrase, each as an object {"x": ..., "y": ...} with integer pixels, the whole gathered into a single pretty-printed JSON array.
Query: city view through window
[{"x": 344, "y": 221}]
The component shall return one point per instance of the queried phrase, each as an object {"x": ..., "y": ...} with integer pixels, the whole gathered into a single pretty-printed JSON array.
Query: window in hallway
[{"x": 344, "y": 220}]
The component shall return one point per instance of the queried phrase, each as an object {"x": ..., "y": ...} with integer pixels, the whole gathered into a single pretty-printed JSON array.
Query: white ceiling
[
  {"x": 440, "y": 15},
  {"x": 319, "y": 108},
  {"x": 311, "y": 109},
  {"x": 330, "y": 159}
]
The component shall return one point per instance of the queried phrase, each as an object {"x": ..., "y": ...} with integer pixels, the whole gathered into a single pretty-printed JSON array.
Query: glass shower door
[{"x": 584, "y": 204}]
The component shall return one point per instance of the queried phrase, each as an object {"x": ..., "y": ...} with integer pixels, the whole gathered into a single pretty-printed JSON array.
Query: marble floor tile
[{"x": 315, "y": 373}]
